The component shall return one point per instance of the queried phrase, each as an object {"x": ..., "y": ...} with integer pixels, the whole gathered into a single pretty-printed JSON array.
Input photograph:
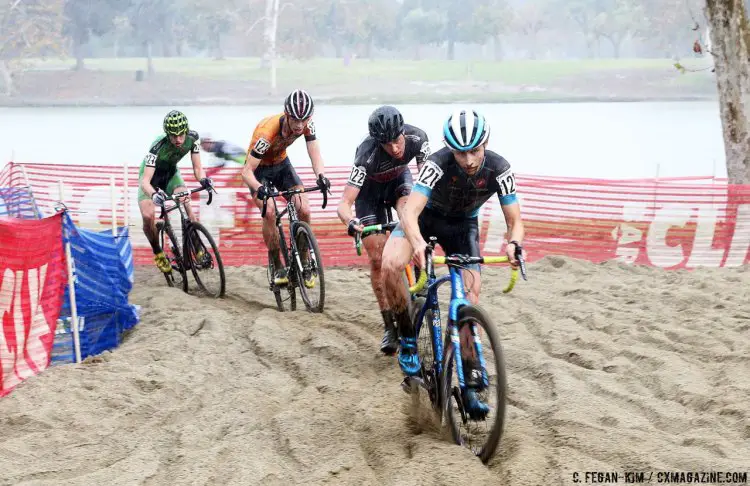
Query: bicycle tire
[
  {"x": 302, "y": 227},
  {"x": 196, "y": 227},
  {"x": 277, "y": 289},
  {"x": 466, "y": 314},
  {"x": 177, "y": 261}
]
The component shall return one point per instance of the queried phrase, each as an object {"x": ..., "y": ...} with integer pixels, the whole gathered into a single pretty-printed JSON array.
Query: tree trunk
[
  {"x": 730, "y": 46},
  {"x": 7, "y": 78},
  {"x": 219, "y": 48},
  {"x": 451, "y": 49},
  {"x": 497, "y": 48},
  {"x": 78, "y": 50},
  {"x": 149, "y": 60},
  {"x": 269, "y": 32}
]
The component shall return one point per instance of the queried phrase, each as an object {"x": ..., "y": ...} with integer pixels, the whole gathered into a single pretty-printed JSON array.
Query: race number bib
[
  {"x": 311, "y": 127},
  {"x": 425, "y": 150},
  {"x": 262, "y": 146},
  {"x": 196, "y": 148},
  {"x": 150, "y": 160},
  {"x": 357, "y": 176},
  {"x": 430, "y": 174},
  {"x": 507, "y": 183}
]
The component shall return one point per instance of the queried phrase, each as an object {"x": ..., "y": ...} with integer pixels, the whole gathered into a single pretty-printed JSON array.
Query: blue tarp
[
  {"x": 104, "y": 277},
  {"x": 16, "y": 202}
]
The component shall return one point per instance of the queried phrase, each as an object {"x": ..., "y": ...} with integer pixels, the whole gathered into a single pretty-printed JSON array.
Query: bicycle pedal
[{"x": 411, "y": 383}]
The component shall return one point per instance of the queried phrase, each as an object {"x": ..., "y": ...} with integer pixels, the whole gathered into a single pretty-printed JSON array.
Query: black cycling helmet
[{"x": 386, "y": 124}]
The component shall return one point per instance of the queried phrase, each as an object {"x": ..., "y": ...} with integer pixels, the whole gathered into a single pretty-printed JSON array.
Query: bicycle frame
[
  {"x": 185, "y": 219},
  {"x": 291, "y": 211},
  {"x": 457, "y": 301}
]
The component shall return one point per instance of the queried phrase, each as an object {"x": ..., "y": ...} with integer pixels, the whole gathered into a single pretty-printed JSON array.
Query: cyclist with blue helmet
[{"x": 451, "y": 188}]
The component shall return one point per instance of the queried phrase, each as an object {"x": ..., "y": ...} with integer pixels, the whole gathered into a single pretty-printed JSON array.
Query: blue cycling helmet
[{"x": 465, "y": 130}]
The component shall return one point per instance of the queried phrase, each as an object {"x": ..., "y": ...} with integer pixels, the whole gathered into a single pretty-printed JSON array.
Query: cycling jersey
[
  {"x": 269, "y": 145},
  {"x": 372, "y": 162},
  {"x": 453, "y": 193},
  {"x": 382, "y": 179},
  {"x": 164, "y": 157}
]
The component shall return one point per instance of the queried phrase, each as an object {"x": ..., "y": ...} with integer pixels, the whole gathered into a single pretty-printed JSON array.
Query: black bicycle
[
  {"x": 302, "y": 260},
  {"x": 198, "y": 251}
]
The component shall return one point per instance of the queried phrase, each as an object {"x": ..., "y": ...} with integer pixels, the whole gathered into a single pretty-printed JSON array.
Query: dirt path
[{"x": 609, "y": 368}]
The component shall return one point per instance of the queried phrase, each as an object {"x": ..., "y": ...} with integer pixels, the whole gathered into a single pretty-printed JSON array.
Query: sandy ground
[{"x": 609, "y": 368}]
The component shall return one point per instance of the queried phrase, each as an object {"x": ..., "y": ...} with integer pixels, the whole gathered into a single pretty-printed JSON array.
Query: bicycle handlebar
[
  {"x": 456, "y": 260},
  {"x": 291, "y": 192},
  {"x": 373, "y": 228},
  {"x": 178, "y": 195}
]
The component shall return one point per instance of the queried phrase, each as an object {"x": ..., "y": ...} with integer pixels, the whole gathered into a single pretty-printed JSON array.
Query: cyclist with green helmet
[{"x": 159, "y": 176}]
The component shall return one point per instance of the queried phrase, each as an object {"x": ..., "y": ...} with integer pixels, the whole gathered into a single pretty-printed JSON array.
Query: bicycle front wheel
[
  {"x": 205, "y": 261},
  {"x": 480, "y": 436},
  {"x": 309, "y": 268},
  {"x": 426, "y": 349}
]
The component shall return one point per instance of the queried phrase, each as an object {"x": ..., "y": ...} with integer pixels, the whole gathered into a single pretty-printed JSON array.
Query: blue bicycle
[{"x": 445, "y": 388}]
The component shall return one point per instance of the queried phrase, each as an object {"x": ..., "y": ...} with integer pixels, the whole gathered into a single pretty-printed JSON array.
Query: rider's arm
[
  {"x": 345, "y": 205},
  {"x": 415, "y": 203},
  {"x": 313, "y": 149},
  {"x": 512, "y": 213},
  {"x": 506, "y": 192},
  {"x": 427, "y": 178},
  {"x": 195, "y": 158},
  {"x": 148, "y": 173},
  {"x": 251, "y": 162},
  {"x": 259, "y": 145}
]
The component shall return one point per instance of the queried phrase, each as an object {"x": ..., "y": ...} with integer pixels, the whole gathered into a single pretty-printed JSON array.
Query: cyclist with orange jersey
[{"x": 267, "y": 161}]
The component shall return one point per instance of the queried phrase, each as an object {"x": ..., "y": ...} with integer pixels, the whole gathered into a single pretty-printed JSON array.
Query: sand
[{"x": 610, "y": 368}]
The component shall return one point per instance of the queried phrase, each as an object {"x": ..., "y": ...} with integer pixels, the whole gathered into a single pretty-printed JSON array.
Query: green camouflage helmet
[{"x": 175, "y": 123}]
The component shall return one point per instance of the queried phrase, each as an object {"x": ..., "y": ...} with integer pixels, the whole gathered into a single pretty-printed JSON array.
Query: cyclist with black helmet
[
  {"x": 451, "y": 187},
  {"x": 380, "y": 180},
  {"x": 267, "y": 161},
  {"x": 159, "y": 177}
]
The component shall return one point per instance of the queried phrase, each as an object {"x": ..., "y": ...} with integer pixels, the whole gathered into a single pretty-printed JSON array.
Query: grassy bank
[
  {"x": 334, "y": 70},
  {"x": 242, "y": 80}
]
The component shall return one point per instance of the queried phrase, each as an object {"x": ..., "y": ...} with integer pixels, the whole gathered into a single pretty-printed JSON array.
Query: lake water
[{"x": 600, "y": 140}]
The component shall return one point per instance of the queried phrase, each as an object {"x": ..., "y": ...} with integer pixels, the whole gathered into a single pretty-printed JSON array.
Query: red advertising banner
[
  {"x": 669, "y": 222},
  {"x": 32, "y": 286}
]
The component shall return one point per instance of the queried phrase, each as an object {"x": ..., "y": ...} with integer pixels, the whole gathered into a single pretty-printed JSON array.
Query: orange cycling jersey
[{"x": 269, "y": 145}]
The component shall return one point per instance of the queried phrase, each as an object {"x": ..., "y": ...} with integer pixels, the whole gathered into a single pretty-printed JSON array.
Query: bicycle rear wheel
[
  {"x": 168, "y": 242},
  {"x": 481, "y": 437},
  {"x": 284, "y": 294},
  {"x": 309, "y": 268},
  {"x": 203, "y": 257}
]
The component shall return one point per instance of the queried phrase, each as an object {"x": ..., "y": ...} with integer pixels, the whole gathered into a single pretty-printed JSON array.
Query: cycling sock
[
  {"x": 388, "y": 319},
  {"x": 276, "y": 256},
  {"x": 156, "y": 247},
  {"x": 403, "y": 321}
]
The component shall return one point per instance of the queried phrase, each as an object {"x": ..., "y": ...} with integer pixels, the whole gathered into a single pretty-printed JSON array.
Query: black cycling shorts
[
  {"x": 454, "y": 235},
  {"x": 375, "y": 199},
  {"x": 281, "y": 176}
]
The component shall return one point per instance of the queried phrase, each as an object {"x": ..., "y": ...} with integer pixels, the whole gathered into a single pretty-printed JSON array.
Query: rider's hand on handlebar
[
  {"x": 418, "y": 258},
  {"x": 323, "y": 183},
  {"x": 206, "y": 182},
  {"x": 159, "y": 197},
  {"x": 510, "y": 251},
  {"x": 355, "y": 226},
  {"x": 263, "y": 193}
]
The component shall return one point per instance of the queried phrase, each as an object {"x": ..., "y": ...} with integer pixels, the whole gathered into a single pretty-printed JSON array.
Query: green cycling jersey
[{"x": 164, "y": 157}]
